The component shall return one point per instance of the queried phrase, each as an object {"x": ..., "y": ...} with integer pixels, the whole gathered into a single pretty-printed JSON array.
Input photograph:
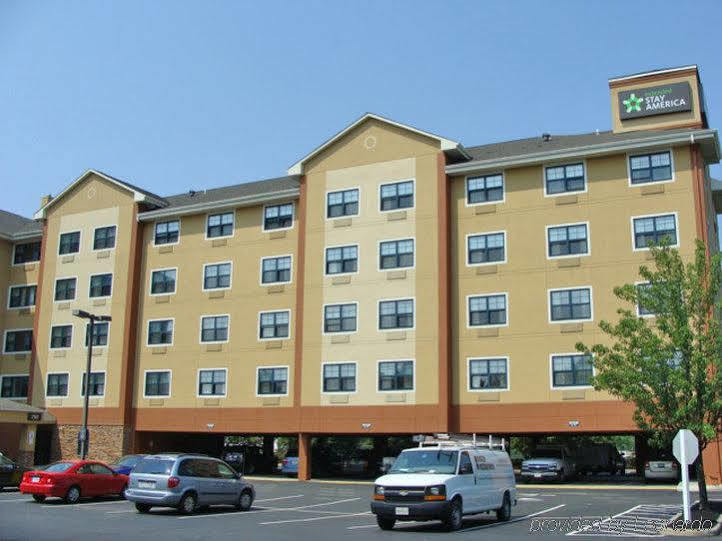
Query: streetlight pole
[{"x": 83, "y": 435}]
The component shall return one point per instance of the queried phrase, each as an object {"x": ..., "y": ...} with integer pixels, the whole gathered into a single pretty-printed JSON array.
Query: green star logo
[{"x": 633, "y": 103}]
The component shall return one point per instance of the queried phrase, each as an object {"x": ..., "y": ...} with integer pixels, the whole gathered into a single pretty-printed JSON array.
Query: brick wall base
[
  {"x": 26, "y": 458},
  {"x": 107, "y": 442}
]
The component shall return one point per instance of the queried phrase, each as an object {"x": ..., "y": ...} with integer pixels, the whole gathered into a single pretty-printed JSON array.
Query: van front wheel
[
  {"x": 454, "y": 519},
  {"x": 385, "y": 523},
  {"x": 504, "y": 512}
]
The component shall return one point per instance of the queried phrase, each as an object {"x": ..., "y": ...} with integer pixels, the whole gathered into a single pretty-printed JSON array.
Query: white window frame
[
  {"x": 170, "y": 383},
  {"x": 55, "y": 285},
  {"x": 232, "y": 212},
  {"x": 10, "y": 290},
  {"x": 395, "y": 329},
  {"x": 378, "y": 254},
  {"x": 72, "y": 336},
  {"x": 105, "y": 383},
  {"x": 150, "y": 281},
  {"x": 325, "y": 200},
  {"x": 358, "y": 260},
  {"x": 203, "y": 277},
  {"x": 655, "y": 215},
  {"x": 80, "y": 241},
  {"x": 200, "y": 333},
  {"x": 272, "y": 367},
  {"x": 269, "y": 284},
  {"x": 112, "y": 285},
  {"x": 493, "y": 174},
  {"x": 67, "y": 391},
  {"x": 290, "y": 325},
  {"x": 27, "y": 375},
  {"x": 340, "y": 333},
  {"x": 155, "y": 223},
  {"x": 147, "y": 332},
  {"x": 387, "y": 183},
  {"x": 565, "y": 163},
  {"x": 488, "y": 358},
  {"x": 549, "y": 304},
  {"x": 394, "y": 391},
  {"x": 567, "y": 387},
  {"x": 293, "y": 216},
  {"x": 355, "y": 363},
  {"x": 198, "y": 383},
  {"x": 631, "y": 155},
  {"x": 484, "y": 233},
  {"x": 115, "y": 244},
  {"x": 5, "y": 337},
  {"x": 493, "y": 326},
  {"x": 109, "y": 323},
  {"x": 30, "y": 241},
  {"x": 546, "y": 240}
]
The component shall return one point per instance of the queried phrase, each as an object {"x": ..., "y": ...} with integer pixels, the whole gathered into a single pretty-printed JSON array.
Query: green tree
[{"x": 668, "y": 365}]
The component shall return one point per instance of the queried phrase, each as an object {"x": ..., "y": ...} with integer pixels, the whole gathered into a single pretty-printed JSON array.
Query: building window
[
  {"x": 220, "y": 225},
  {"x": 212, "y": 382},
  {"x": 655, "y": 229},
  {"x": 214, "y": 329},
  {"x": 565, "y": 178},
  {"x": 217, "y": 276},
  {"x": 272, "y": 380},
  {"x": 61, "y": 336},
  {"x": 396, "y": 254},
  {"x": 167, "y": 232},
  {"x": 647, "y": 168},
  {"x": 69, "y": 243},
  {"x": 104, "y": 238},
  {"x": 487, "y": 248},
  {"x": 344, "y": 203},
  {"x": 22, "y": 296},
  {"x": 487, "y": 374},
  {"x": 396, "y": 314},
  {"x": 339, "y": 318},
  {"x": 644, "y": 292},
  {"x": 276, "y": 270},
  {"x": 484, "y": 189},
  {"x": 65, "y": 289},
  {"x": 57, "y": 385},
  {"x": 399, "y": 195},
  {"x": 162, "y": 282},
  {"x": 101, "y": 285},
  {"x": 396, "y": 376},
  {"x": 487, "y": 310},
  {"x": 571, "y": 370},
  {"x": 20, "y": 341},
  {"x": 341, "y": 260},
  {"x": 96, "y": 385},
  {"x": 26, "y": 252},
  {"x": 571, "y": 304},
  {"x": 339, "y": 378},
  {"x": 157, "y": 383},
  {"x": 14, "y": 387},
  {"x": 274, "y": 325},
  {"x": 278, "y": 217},
  {"x": 568, "y": 240},
  {"x": 100, "y": 333},
  {"x": 160, "y": 332}
]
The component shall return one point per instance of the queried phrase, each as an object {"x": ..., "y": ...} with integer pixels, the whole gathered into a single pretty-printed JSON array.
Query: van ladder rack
[{"x": 463, "y": 440}]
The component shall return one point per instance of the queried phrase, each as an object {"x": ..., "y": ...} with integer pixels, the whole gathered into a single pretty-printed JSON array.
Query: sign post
[{"x": 685, "y": 448}]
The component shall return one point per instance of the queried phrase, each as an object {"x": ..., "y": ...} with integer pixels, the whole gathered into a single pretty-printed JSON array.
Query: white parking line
[
  {"x": 270, "y": 509},
  {"x": 518, "y": 519},
  {"x": 280, "y": 498},
  {"x": 314, "y": 518}
]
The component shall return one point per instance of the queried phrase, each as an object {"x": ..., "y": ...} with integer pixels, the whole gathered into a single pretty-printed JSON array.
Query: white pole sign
[{"x": 685, "y": 448}]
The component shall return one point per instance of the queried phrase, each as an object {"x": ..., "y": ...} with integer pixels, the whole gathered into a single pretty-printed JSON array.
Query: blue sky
[{"x": 174, "y": 95}]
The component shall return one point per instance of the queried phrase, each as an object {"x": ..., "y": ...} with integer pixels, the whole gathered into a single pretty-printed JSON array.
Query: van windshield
[
  {"x": 154, "y": 466},
  {"x": 427, "y": 461},
  {"x": 547, "y": 453}
]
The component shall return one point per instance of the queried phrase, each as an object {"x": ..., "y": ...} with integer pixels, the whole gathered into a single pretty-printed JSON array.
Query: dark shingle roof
[
  {"x": 247, "y": 189},
  {"x": 532, "y": 145},
  {"x": 13, "y": 224}
]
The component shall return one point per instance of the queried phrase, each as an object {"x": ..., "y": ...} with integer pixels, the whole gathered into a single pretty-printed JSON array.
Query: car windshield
[
  {"x": 547, "y": 453},
  {"x": 154, "y": 466},
  {"x": 130, "y": 460},
  {"x": 60, "y": 467},
  {"x": 427, "y": 461}
]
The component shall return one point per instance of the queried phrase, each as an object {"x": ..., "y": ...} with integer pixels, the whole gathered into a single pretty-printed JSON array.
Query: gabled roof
[
  {"x": 15, "y": 227},
  {"x": 139, "y": 195},
  {"x": 446, "y": 144}
]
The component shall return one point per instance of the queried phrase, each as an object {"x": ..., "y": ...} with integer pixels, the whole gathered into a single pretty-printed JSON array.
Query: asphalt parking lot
[{"x": 322, "y": 511}]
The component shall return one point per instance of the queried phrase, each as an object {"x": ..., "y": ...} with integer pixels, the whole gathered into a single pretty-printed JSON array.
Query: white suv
[{"x": 445, "y": 480}]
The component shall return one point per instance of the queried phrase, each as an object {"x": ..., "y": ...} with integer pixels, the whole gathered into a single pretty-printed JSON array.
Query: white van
[{"x": 445, "y": 479}]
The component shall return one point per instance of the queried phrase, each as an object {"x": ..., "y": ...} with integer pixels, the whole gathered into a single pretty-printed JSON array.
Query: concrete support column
[
  {"x": 641, "y": 452},
  {"x": 713, "y": 462},
  {"x": 304, "y": 457}
]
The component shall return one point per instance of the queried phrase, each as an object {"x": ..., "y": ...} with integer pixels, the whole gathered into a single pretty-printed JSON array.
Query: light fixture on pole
[{"x": 83, "y": 435}]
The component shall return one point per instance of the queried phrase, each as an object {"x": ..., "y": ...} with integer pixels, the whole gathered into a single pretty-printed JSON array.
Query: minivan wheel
[
  {"x": 187, "y": 504},
  {"x": 245, "y": 501},
  {"x": 454, "y": 518},
  {"x": 142, "y": 507},
  {"x": 504, "y": 512},
  {"x": 73, "y": 495},
  {"x": 385, "y": 523}
]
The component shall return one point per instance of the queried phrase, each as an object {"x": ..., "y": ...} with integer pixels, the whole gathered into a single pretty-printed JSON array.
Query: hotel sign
[{"x": 655, "y": 100}]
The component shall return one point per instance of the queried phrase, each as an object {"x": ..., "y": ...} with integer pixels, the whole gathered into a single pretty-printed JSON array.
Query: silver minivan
[{"x": 187, "y": 482}]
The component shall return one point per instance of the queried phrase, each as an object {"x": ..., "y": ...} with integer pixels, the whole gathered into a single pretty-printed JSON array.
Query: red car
[{"x": 72, "y": 480}]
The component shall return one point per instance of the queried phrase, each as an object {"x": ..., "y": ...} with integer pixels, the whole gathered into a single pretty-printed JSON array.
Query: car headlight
[{"x": 436, "y": 492}]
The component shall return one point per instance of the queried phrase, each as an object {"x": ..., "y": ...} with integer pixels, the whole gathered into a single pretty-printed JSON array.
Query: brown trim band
[
  {"x": 96, "y": 416},
  {"x": 300, "y": 280},
  {"x": 444, "y": 258},
  {"x": 700, "y": 200},
  {"x": 36, "y": 316}
]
